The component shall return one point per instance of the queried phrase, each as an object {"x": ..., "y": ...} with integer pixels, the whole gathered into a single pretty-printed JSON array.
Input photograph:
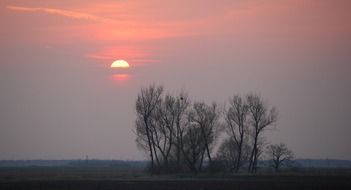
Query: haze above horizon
[{"x": 59, "y": 98}]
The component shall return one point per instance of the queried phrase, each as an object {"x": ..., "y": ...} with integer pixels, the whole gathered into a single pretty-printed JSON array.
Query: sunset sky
[{"x": 59, "y": 98}]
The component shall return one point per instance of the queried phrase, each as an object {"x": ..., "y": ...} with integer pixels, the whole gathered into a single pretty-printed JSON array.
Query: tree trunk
[
  {"x": 207, "y": 148},
  {"x": 252, "y": 156},
  {"x": 150, "y": 146},
  {"x": 238, "y": 160}
]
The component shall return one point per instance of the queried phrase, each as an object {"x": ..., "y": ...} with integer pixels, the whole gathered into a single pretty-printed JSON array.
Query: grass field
[{"x": 63, "y": 178}]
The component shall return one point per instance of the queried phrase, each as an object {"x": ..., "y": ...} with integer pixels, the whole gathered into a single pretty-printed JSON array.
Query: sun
[{"x": 120, "y": 64}]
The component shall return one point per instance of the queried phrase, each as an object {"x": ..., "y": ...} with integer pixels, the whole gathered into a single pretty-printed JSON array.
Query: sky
[{"x": 59, "y": 98}]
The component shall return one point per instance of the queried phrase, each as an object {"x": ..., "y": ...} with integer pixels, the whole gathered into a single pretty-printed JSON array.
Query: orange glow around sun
[
  {"x": 120, "y": 64},
  {"x": 121, "y": 79}
]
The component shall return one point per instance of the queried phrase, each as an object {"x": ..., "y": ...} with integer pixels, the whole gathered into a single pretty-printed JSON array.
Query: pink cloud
[{"x": 61, "y": 12}]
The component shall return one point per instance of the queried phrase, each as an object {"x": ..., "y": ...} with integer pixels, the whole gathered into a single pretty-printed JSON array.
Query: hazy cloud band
[{"x": 61, "y": 12}]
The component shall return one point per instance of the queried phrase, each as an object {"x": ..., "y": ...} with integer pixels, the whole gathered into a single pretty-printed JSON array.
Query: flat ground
[{"x": 61, "y": 178}]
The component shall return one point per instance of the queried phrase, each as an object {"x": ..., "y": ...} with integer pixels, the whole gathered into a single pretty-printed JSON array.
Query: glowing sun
[{"x": 120, "y": 64}]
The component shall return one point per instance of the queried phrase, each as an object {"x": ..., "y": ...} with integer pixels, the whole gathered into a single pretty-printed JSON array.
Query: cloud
[
  {"x": 61, "y": 12},
  {"x": 137, "y": 55}
]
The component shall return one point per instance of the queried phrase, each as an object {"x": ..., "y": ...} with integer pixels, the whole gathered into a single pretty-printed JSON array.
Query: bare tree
[
  {"x": 193, "y": 148},
  {"x": 162, "y": 126},
  {"x": 280, "y": 155},
  {"x": 261, "y": 117},
  {"x": 227, "y": 154},
  {"x": 181, "y": 108},
  {"x": 147, "y": 101},
  {"x": 236, "y": 127},
  {"x": 207, "y": 119},
  {"x": 172, "y": 130}
]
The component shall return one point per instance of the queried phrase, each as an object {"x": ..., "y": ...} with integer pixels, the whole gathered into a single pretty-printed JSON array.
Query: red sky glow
[{"x": 56, "y": 81}]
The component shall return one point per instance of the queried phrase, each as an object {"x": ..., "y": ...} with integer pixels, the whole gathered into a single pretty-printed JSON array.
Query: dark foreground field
[
  {"x": 210, "y": 184},
  {"x": 109, "y": 179}
]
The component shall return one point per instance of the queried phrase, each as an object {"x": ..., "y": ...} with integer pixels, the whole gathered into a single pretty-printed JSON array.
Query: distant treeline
[
  {"x": 142, "y": 164},
  {"x": 120, "y": 164}
]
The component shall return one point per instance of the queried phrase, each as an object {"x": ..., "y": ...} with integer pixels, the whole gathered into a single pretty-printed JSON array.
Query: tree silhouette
[
  {"x": 146, "y": 104},
  {"x": 180, "y": 136},
  {"x": 206, "y": 118},
  {"x": 236, "y": 126},
  {"x": 280, "y": 155},
  {"x": 261, "y": 117}
]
